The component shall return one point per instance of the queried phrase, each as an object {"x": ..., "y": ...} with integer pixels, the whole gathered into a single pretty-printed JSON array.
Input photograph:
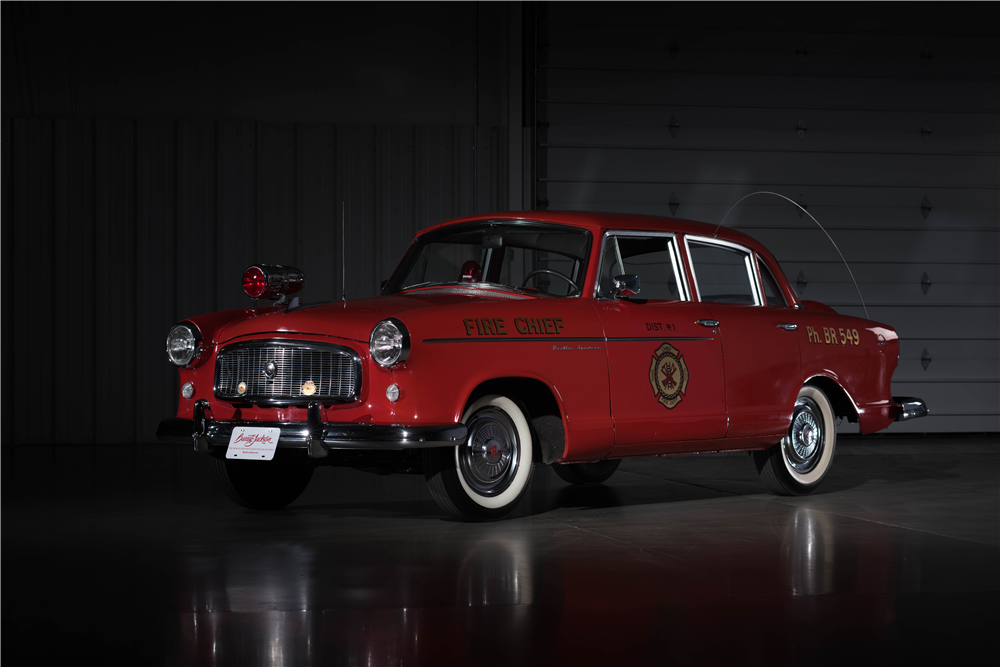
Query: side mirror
[{"x": 625, "y": 286}]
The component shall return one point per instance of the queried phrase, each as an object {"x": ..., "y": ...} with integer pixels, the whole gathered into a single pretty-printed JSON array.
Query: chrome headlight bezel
[
  {"x": 389, "y": 343},
  {"x": 183, "y": 344}
]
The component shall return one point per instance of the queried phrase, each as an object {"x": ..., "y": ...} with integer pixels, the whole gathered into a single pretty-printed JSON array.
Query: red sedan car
[{"x": 511, "y": 340}]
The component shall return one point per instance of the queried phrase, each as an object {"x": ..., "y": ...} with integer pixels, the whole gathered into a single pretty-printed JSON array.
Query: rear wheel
[
  {"x": 262, "y": 485},
  {"x": 586, "y": 473},
  {"x": 485, "y": 478},
  {"x": 797, "y": 465}
]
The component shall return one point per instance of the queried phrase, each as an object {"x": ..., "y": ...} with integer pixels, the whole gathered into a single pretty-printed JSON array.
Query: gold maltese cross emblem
[{"x": 668, "y": 375}]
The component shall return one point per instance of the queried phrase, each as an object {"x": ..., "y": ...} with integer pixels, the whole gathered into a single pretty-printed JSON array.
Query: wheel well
[
  {"x": 540, "y": 406},
  {"x": 842, "y": 405}
]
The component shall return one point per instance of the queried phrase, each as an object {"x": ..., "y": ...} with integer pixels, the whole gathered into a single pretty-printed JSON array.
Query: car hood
[{"x": 352, "y": 320}]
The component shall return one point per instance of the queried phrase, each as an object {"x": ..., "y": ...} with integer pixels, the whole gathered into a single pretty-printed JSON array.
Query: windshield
[{"x": 533, "y": 258}]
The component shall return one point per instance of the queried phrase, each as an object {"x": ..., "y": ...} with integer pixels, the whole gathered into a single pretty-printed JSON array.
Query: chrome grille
[{"x": 335, "y": 370}]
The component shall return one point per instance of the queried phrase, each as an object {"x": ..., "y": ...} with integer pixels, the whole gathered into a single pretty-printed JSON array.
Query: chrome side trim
[{"x": 908, "y": 407}]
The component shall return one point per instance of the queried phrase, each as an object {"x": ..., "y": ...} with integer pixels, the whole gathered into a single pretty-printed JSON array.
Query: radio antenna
[
  {"x": 343, "y": 251},
  {"x": 801, "y": 208}
]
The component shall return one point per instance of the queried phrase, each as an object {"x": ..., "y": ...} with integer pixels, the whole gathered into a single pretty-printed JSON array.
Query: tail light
[{"x": 270, "y": 281}]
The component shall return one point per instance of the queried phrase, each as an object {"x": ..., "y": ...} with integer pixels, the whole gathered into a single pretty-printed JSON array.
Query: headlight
[
  {"x": 389, "y": 342},
  {"x": 182, "y": 344}
]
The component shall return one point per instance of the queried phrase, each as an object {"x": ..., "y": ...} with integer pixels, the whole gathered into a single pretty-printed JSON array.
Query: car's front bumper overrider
[
  {"x": 908, "y": 407},
  {"x": 315, "y": 435}
]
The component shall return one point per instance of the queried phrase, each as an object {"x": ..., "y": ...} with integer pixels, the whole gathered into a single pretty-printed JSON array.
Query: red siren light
[
  {"x": 254, "y": 282},
  {"x": 270, "y": 281}
]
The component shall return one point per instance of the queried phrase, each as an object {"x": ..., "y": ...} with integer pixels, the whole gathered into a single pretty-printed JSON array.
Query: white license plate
[{"x": 253, "y": 444}]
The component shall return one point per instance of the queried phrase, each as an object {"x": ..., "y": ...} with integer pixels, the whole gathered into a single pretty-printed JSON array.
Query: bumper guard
[{"x": 908, "y": 407}]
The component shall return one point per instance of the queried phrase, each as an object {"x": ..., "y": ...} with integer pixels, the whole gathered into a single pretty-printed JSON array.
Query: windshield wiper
[{"x": 461, "y": 284}]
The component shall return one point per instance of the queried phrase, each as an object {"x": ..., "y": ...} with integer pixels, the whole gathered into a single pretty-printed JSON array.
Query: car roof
[{"x": 596, "y": 221}]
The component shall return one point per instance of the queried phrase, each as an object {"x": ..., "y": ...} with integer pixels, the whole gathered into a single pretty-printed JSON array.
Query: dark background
[{"x": 152, "y": 151}]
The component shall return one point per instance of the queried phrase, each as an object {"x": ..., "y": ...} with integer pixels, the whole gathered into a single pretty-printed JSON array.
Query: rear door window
[{"x": 723, "y": 273}]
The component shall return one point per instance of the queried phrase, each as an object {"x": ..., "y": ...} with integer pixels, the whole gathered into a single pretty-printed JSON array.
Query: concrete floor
[{"x": 132, "y": 555}]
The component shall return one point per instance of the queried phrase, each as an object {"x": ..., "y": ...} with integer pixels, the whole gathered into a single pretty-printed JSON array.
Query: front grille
[{"x": 334, "y": 370}]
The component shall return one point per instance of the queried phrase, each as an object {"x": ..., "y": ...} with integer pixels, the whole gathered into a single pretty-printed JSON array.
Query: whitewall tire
[
  {"x": 797, "y": 465},
  {"x": 484, "y": 478}
]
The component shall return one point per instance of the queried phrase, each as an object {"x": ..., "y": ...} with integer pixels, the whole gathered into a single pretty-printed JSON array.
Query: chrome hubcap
[
  {"x": 803, "y": 446},
  {"x": 489, "y": 458}
]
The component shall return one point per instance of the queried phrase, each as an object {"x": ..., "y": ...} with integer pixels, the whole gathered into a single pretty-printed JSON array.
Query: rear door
[
  {"x": 758, "y": 331},
  {"x": 665, "y": 369}
]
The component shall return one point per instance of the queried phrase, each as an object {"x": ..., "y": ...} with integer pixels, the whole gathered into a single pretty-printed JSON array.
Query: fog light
[
  {"x": 187, "y": 390},
  {"x": 392, "y": 393}
]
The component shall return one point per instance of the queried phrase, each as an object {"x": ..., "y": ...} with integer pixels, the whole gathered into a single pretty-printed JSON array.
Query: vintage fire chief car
[{"x": 510, "y": 340}]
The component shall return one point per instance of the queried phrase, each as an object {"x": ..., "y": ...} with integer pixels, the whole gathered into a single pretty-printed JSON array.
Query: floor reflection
[
  {"x": 808, "y": 550},
  {"x": 242, "y": 609},
  {"x": 657, "y": 566},
  {"x": 511, "y": 591}
]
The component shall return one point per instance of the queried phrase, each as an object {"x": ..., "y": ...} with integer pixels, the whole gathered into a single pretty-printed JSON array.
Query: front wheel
[
  {"x": 797, "y": 464},
  {"x": 262, "y": 485},
  {"x": 485, "y": 478}
]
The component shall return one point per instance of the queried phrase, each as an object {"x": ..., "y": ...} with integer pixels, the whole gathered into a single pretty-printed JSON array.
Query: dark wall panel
[
  {"x": 343, "y": 62},
  {"x": 157, "y": 268},
  {"x": 117, "y": 229},
  {"x": 117, "y": 389}
]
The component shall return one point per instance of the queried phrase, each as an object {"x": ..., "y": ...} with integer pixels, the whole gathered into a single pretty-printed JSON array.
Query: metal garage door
[{"x": 885, "y": 128}]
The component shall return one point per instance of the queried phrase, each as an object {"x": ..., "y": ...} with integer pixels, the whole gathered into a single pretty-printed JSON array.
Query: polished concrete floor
[{"x": 131, "y": 555}]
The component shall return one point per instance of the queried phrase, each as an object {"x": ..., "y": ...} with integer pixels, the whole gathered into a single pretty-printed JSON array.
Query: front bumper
[
  {"x": 315, "y": 435},
  {"x": 908, "y": 407}
]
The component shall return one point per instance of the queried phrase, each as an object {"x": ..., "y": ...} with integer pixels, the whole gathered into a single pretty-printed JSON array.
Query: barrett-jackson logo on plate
[
  {"x": 249, "y": 440},
  {"x": 668, "y": 375}
]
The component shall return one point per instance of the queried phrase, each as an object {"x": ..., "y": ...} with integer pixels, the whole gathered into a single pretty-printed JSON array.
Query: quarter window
[
  {"x": 772, "y": 293},
  {"x": 724, "y": 274}
]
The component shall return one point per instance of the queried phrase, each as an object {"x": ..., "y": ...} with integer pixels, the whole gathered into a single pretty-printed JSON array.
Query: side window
[
  {"x": 723, "y": 274},
  {"x": 653, "y": 258},
  {"x": 772, "y": 293}
]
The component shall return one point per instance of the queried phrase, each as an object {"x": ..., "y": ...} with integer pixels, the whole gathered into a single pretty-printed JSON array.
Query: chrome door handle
[
  {"x": 788, "y": 326},
  {"x": 708, "y": 323}
]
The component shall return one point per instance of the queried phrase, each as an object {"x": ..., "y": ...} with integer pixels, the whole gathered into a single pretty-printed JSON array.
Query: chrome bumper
[
  {"x": 909, "y": 408},
  {"x": 315, "y": 435}
]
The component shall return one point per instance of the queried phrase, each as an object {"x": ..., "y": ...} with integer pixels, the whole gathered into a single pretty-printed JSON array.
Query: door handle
[
  {"x": 708, "y": 323},
  {"x": 788, "y": 326}
]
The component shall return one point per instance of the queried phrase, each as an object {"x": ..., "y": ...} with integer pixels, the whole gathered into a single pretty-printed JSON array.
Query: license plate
[{"x": 253, "y": 444}]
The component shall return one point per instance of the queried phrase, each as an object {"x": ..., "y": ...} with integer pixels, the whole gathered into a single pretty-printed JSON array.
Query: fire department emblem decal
[{"x": 668, "y": 375}]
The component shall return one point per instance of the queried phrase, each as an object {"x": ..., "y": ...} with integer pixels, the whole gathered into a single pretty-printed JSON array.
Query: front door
[{"x": 665, "y": 369}]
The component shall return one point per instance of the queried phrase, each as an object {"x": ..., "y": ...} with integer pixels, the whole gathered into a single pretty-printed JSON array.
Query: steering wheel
[{"x": 554, "y": 273}]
